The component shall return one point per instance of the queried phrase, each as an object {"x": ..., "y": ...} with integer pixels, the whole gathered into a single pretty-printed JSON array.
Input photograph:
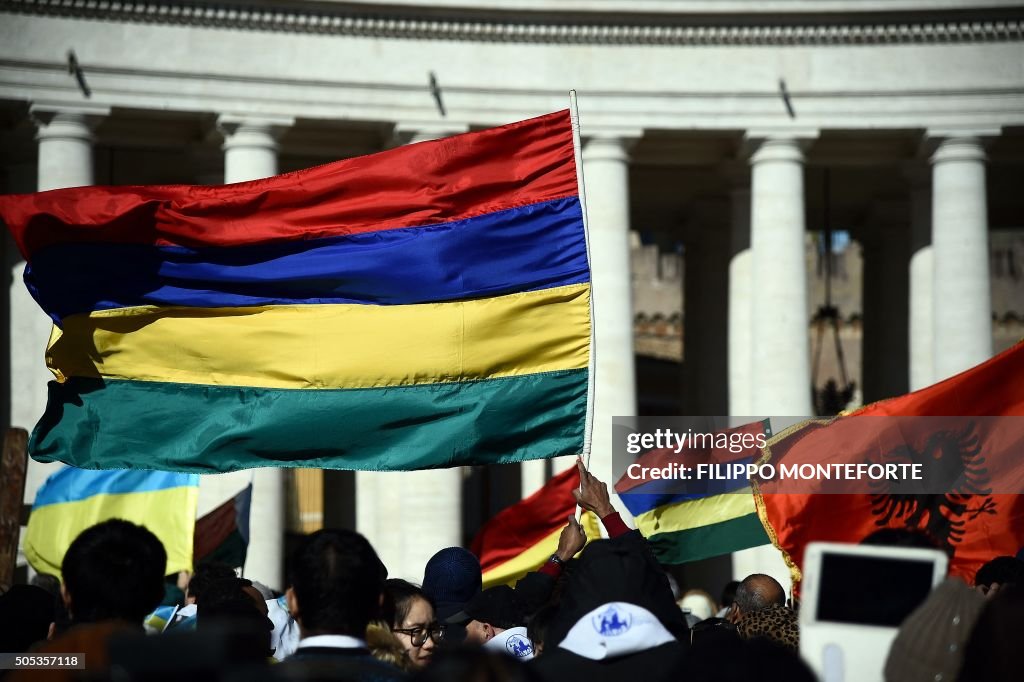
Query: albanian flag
[{"x": 971, "y": 462}]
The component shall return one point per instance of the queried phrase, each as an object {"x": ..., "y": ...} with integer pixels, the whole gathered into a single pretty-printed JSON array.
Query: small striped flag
[
  {"x": 690, "y": 520},
  {"x": 522, "y": 537}
]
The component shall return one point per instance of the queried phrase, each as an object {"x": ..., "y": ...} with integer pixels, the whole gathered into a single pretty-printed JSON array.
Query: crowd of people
[{"x": 599, "y": 611}]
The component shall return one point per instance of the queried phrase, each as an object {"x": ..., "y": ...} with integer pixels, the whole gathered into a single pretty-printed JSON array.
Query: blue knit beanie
[{"x": 452, "y": 577}]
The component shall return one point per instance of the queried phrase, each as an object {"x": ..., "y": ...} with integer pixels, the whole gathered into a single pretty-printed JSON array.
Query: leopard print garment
[{"x": 776, "y": 623}]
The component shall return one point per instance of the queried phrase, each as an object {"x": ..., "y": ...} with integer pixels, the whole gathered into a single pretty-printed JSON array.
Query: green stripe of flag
[
  {"x": 681, "y": 546},
  {"x": 92, "y": 423}
]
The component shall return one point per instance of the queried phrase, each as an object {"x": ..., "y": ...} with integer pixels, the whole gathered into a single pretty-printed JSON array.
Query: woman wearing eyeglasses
[{"x": 410, "y": 616}]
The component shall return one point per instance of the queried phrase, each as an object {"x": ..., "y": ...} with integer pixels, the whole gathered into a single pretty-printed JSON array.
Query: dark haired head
[
  {"x": 114, "y": 570},
  {"x": 50, "y": 583},
  {"x": 207, "y": 574},
  {"x": 26, "y": 612},
  {"x": 710, "y": 631},
  {"x": 336, "y": 583},
  {"x": 399, "y": 596},
  {"x": 729, "y": 593},
  {"x": 1004, "y": 570},
  {"x": 537, "y": 627},
  {"x": 225, "y": 589},
  {"x": 226, "y": 605}
]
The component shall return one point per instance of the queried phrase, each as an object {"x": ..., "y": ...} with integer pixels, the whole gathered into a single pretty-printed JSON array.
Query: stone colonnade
[
  {"x": 949, "y": 306},
  {"x": 768, "y": 354}
]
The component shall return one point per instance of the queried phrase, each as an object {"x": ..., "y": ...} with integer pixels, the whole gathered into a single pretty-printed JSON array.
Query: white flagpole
[
  {"x": 170, "y": 619},
  {"x": 574, "y": 117}
]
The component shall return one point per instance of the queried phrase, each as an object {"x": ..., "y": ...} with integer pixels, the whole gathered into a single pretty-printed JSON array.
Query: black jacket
[
  {"x": 315, "y": 663},
  {"x": 660, "y": 664},
  {"x": 620, "y": 569}
]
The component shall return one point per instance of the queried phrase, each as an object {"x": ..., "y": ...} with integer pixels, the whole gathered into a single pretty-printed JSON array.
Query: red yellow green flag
[{"x": 520, "y": 538}]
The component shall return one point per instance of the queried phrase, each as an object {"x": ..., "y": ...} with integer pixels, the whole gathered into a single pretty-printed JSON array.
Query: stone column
[
  {"x": 66, "y": 144},
  {"x": 65, "y": 135},
  {"x": 413, "y": 514},
  {"x": 606, "y": 176},
  {"x": 532, "y": 476},
  {"x": 962, "y": 299},
  {"x": 741, "y": 294},
  {"x": 250, "y": 153},
  {"x": 781, "y": 350},
  {"x": 920, "y": 328},
  {"x": 409, "y": 515},
  {"x": 250, "y": 145}
]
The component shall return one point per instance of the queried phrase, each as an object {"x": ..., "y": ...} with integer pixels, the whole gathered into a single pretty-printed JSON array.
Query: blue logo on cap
[
  {"x": 519, "y": 646},
  {"x": 612, "y": 622}
]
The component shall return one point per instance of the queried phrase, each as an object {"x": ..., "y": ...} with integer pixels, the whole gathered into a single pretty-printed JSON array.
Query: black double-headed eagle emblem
[{"x": 953, "y": 488}]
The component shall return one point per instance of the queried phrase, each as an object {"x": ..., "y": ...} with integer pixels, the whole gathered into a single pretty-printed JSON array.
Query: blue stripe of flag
[
  {"x": 658, "y": 493},
  {"x": 71, "y": 484},
  {"x": 520, "y": 249}
]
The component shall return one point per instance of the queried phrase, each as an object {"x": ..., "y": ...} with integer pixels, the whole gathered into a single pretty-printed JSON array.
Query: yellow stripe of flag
[
  {"x": 169, "y": 513},
  {"x": 534, "y": 557},
  {"x": 331, "y": 346},
  {"x": 696, "y": 513}
]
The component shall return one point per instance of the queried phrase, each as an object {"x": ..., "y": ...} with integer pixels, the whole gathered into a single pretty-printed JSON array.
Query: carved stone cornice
[{"x": 282, "y": 17}]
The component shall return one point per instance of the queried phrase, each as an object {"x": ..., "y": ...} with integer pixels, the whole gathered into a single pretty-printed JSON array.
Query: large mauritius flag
[{"x": 427, "y": 306}]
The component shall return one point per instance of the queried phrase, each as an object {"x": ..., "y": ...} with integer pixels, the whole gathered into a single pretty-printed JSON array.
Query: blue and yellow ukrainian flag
[{"x": 72, "y": 500}]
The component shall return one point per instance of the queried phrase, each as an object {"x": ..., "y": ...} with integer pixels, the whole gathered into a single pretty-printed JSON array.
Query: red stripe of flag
[
  {"x": 416, "y": 185},
  {"x": 515, "y": 529}
]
